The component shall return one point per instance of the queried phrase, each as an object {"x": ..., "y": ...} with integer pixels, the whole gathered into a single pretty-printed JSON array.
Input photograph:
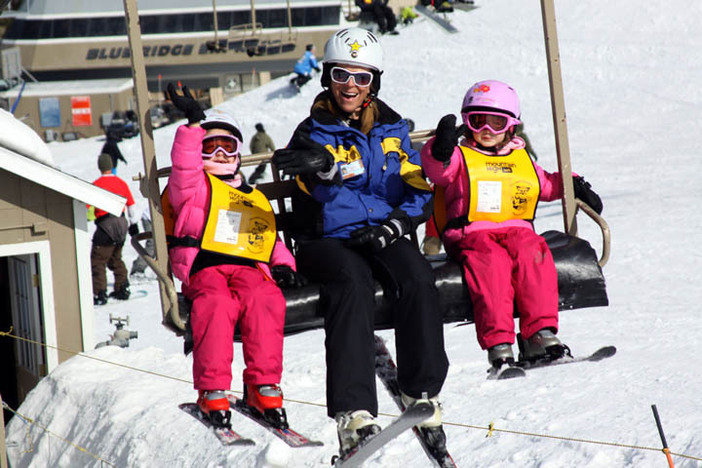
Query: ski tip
[
  {"x": 604, "y": 352},
  {"x": 506, "y": 372}
]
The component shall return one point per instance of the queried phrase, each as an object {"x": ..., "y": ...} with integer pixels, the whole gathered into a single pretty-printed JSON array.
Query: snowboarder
[
  {"x": 261, "y": 142},
  {"x": 225, "y": 249},
  {"x": 354, "y": 158},
  {"x": 491, "y": 188},
  {"x": 303, "y": 67},
  {"x": 110, "y": 234}
]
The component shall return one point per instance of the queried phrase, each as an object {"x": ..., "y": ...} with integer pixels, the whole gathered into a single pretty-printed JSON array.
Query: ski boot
[
  {"x": 100, "y": 298},
  {"x": 542, "y": 345},
  {"x": 267, "y": 400},
  {"x": 214, "y": 406},
  {"x": 122, "y": 292},
  {"x": 501, "y": 359},
  {"x": 431, "y": 429},
  {"x": 354, "y": 428}
]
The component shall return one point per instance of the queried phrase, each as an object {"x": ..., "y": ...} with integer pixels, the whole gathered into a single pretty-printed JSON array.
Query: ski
[
  {"x": 436, "y": 18},
  {"x": 602, "y": 353},
  {"x": 288, "y": 435},
  {"x": 412, "y": 416},
  {"x": 386, "y": 370},
  {"x": 226, "y": 435}
]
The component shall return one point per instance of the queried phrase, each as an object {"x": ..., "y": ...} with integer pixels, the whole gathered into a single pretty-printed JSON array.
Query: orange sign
[{"x": 80, "y": 110}]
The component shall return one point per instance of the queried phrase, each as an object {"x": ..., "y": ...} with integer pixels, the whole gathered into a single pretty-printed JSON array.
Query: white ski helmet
[
  {"x": 354, "y": 46},
  {"x": 219, "y": 119}
]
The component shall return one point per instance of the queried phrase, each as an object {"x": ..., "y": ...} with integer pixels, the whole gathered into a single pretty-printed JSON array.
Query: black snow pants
[{"x": 347, "y": 303}]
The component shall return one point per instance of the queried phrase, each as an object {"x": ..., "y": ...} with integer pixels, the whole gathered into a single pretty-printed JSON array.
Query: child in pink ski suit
[
  {"x": 226, "y": 288},
  {"x": 487, "y": 192}
]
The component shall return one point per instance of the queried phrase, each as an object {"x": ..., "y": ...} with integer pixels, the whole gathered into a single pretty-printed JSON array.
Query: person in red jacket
[{"x": 110, "y": 234}]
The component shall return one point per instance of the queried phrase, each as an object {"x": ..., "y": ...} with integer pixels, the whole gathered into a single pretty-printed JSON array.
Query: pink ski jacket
[
  {"x": 454, "y": 179},
  {"x": 189, "y": 194}
]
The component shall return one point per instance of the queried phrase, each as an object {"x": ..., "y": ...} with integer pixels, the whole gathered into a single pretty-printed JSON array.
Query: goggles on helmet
[
  {"x": 362, "y": 79},
  {"x": 228, "y": 144},
  {"x": 494, "y": 121}
]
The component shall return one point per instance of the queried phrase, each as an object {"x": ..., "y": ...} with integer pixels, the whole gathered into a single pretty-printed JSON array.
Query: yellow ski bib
[
  {"x": 238, "y": 224},
  {"x": 501, "y": 187}
]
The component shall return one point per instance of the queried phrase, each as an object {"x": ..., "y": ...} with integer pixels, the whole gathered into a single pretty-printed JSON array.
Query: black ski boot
[
  {"x": 100, "y": 298},
  {"x": 121, "y": 292}
]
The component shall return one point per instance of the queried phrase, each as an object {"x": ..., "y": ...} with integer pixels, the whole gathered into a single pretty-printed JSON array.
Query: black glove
[
  {"x": 446, "y": 138},
  {"x": 584, "y": 192},
  {"x": 286, "y": 277},
  {"x": 133, "y": 229},
  {"x": 379, "y": 237},
  {"x": 186, "y": 103},
  {"x": 303, "y": 156}
]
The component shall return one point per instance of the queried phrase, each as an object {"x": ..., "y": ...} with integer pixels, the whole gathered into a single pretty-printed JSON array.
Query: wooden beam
[
  {"x": 149, "y": 185},
  {"x": 555, "y": 80}
]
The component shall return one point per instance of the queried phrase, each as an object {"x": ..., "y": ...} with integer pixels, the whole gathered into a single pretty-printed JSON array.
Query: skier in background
[
  {"x": 110, "y": 234},
  {"x": 491, "y": 188},
  {"x": 224, "y": 247},
  {"x": 304, "y": 67},
  {"x": 261, "y": 142},
  {"x": 382, "y": 14},
  {"x": 110, "y": 147}
]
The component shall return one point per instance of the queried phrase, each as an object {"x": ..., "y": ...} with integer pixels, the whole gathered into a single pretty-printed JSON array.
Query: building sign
[
  {"x": 49, "y": 112},
  {"x": 80, "y": 110}
]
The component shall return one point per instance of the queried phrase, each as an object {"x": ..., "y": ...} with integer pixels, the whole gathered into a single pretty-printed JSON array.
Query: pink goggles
[
  {"x": 227, "y": 144},
  {"x": 496, "y": 122}
]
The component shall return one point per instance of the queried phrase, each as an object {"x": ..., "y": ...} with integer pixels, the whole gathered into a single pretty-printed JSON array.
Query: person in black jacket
[
  {"x": 382, "y": 14},
  {"x": 110, "y": 147}
]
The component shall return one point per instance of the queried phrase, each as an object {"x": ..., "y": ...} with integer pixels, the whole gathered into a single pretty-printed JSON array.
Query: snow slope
[{"x": 631, "y": 70}]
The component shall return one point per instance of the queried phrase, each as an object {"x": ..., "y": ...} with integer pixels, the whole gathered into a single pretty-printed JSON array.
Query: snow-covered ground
[{"x": 631, "y": 70}]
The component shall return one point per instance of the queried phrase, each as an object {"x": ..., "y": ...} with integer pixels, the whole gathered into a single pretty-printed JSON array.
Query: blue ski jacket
[
  {"x": 379, "y": 175},
  {"x": 306, "y": 63}
]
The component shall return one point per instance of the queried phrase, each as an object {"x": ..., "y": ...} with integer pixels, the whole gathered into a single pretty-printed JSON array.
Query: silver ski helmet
[
  {"x": 219, "y": 119},
  {"x": 353, "y": 46}
]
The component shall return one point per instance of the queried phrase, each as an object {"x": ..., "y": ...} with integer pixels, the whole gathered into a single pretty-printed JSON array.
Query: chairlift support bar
[
  {"x": 548, "y": 15},
  {"x": 149, "y": 185}
]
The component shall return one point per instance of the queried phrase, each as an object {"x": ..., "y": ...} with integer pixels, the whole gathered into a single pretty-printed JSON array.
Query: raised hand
[{"x": 185, "y": 102}]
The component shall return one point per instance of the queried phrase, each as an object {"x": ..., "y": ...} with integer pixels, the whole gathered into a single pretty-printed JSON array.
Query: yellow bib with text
[
  {"x": 501, "y": 187},
  {"x": 239, "y": 224}
]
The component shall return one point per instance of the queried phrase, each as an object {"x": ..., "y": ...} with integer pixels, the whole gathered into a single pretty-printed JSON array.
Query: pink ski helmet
[{"x": 492, "y": 96}]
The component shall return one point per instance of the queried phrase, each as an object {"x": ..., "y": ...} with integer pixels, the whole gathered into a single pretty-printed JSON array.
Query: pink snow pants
[
  {"x": 503, "y": 268},
  {"x": 222, "y": 296}
]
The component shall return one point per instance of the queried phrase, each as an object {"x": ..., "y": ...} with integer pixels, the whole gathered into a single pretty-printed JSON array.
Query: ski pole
[{"x": 660, "y": 432}]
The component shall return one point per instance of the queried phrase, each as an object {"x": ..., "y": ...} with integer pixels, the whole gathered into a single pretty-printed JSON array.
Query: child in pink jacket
[
  {"x": 487, "y": 191},
  {"x": 225, "y": 249}
]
